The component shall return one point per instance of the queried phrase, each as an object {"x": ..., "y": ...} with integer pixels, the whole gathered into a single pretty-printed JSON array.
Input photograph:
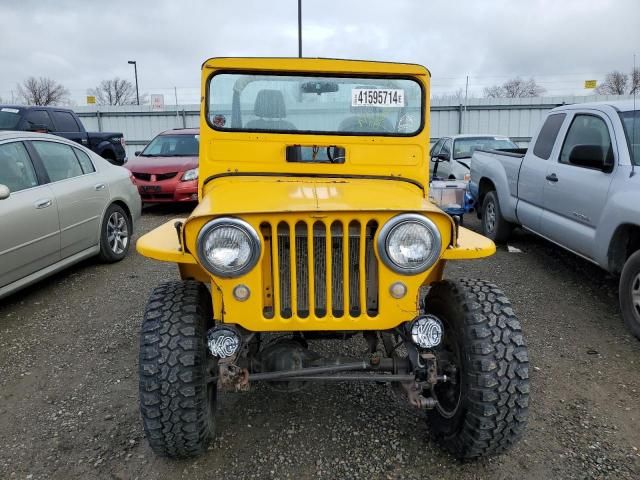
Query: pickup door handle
[
  {"x": 42, "y": 203},
  {"x": 99, "y": 186},
  {"x": 552, "y": 177}
]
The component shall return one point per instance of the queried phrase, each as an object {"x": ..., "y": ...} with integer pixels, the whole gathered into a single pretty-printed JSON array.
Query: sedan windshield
[
  {"x": 172, "y": 146},
  {"x": 9, "y": 118},
  {"x": 464, "y": 147},
  {"x": 631, "y": 122},
  {"x": 315, "y": 104}
]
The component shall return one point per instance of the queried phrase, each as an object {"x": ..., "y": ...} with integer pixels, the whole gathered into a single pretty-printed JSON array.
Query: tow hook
[{"x": 232, "y": 378}]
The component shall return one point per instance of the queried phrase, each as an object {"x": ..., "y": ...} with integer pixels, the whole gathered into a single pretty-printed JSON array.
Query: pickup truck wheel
[
  {"x": 115, "y": 235},
  {"x": 494, "y": 226},
  {"x": 629, "y": 293},
  {"x": 484, "y": 409},
  {"x": 177, "y": 402}
]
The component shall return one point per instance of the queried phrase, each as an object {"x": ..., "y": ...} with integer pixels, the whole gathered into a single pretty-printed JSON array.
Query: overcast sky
[{"x": 80, "y": 42}]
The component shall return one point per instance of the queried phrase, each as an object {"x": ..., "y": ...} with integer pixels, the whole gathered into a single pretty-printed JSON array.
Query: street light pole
[
  {"x": 300, "y": 28},
  {"x": 135, "y": 69}
]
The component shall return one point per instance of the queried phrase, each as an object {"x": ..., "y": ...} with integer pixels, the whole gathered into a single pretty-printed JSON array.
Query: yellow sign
[
  {"x": 590, "y": 83},
  {"x": 91, "y": 99}
]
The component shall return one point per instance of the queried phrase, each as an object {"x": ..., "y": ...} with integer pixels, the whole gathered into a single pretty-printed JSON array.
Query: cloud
[{"x": 80, "y": 43}]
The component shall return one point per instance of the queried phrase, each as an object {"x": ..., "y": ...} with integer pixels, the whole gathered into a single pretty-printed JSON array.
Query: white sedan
[
  {"x": 59, "y": 203},
  {"x": 451, "y": 156}
]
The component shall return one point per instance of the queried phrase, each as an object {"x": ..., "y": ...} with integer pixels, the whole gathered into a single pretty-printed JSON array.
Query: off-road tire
[
  {"x": 494, "y": 226},
  {"x": 494, "y": 373},
  {"x": 107, "y": 252},
  {"x": 176, "y": 402},
  {"x": 630, "y": 285}
]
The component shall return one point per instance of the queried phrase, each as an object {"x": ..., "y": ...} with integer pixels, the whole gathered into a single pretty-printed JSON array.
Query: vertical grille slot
[
  {"x": 319, "y": 262},
  {"x": 284, "y": 268},
  {"x": 371, "y": 270},
  {"x": 322, "y": 269},
  {"x": 302, "y": 269},
  {"x": 337, "y": 252},
  {"x": 354, "y": 268}
]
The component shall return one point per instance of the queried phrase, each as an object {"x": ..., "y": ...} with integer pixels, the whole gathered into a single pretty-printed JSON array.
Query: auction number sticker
[{"x": 378, "y": 97}]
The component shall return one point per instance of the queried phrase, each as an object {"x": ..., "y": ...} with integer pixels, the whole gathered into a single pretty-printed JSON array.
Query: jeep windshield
[{"x": 339, "y": 105}]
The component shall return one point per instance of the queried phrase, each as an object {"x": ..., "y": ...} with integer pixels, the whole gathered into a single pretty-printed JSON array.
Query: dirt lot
[{"x": 69, "y": 407}]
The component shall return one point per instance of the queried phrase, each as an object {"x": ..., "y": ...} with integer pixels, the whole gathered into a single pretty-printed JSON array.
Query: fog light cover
[
  {"x": 426, "y": 331},
  {"x": 223, "y": 341}
]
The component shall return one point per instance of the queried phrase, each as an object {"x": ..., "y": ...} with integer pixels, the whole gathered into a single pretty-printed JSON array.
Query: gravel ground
[{"x": 69, "y": 407}]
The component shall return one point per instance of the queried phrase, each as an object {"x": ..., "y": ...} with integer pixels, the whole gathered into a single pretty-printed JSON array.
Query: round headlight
[
  {"x": 409, "y": 244},
  {"x": 228, "y": 247}
]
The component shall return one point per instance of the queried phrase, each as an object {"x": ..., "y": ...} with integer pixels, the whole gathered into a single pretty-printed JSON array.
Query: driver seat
[{"x": 271, "y": 110}]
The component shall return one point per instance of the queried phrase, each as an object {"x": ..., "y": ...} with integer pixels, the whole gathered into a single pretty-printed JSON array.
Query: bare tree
[
  {"x": 615, "y": 83},
  {"x": 114, "y": 91},
  {"x": 495, "y": 91},
  {"x": 42, "y": 91},
  {"x": 515, "y": 88},
  {"x": 635, "y": 81}
]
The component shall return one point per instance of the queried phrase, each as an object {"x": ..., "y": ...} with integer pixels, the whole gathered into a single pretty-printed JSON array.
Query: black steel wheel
[
  {"x": 177, "y": 402},
  {"x": 483, "y": 409}
]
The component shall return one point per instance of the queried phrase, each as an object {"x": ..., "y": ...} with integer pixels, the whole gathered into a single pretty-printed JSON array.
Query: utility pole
[
  {"x": 300, "y": 28},
  {"x": 466, "y": 96},
  {"x": 175, "y": 91},
  {"x": 135, "y": 69}
]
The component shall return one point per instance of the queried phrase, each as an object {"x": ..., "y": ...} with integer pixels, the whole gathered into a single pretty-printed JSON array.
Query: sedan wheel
[
  {"x": 115, "y": 236},
  {"x": 117, "y": 233}
]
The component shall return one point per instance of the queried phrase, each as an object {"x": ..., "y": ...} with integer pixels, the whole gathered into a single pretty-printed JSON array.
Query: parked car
[
  {"x": 64, "y": 123},
  {"x": 579, "y": 186},
  {"x": 59, "y": 203},
  {"x": 301, "y": 233},
  {"x": 450, "y": 156},
  {"x": 167, "y": 169}
]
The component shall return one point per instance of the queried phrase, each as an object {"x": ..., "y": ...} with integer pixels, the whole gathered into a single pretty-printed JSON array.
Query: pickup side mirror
[
  {"x": 138, "y": 152},
  {"x": 38, "y": 127},
  {"x": 443, "y": 157},
  {"x": 4, "y": 192},
  {"x": 590, "y": 156}
]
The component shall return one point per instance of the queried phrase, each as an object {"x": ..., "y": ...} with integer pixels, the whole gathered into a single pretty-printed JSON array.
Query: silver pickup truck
[{"x": 578, "y": 186}]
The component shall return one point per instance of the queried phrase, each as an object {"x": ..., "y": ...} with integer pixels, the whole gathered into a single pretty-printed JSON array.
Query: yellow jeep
[{"x": 314, "y": 222}]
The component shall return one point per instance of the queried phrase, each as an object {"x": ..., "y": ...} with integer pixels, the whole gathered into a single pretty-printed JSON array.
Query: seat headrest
[{"x": 270, "y": 104}]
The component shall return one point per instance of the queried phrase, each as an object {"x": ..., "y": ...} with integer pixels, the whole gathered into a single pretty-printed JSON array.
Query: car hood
[
  {"x": 236, "y": 195},
  {"x": 161, "y": 164}
]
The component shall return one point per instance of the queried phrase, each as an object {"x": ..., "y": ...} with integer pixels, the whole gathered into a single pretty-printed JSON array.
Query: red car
[{"x": 167, "y": 169}]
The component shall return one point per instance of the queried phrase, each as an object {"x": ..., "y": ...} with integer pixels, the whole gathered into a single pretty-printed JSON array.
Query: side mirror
[
  {"x": 137, "y": 153},
  {"x": 38, "y": 127},
  {"x": 4, "y": 192},
  {"x": 443, "y": 157},
  {"x": 590, "y": 156}
]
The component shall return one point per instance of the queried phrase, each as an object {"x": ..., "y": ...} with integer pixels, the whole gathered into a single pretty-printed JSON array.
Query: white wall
[{"x": 516, "y": 117}]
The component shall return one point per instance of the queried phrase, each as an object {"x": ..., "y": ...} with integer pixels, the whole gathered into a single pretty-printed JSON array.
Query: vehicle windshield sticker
[
  {"x": 377, "y": 97},
  {"x": 219, "y": 121},
  {"x": 10, "y": 110}
]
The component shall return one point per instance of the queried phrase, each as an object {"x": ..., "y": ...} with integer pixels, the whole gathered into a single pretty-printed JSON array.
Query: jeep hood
[{"x": 237, "y": 195}]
